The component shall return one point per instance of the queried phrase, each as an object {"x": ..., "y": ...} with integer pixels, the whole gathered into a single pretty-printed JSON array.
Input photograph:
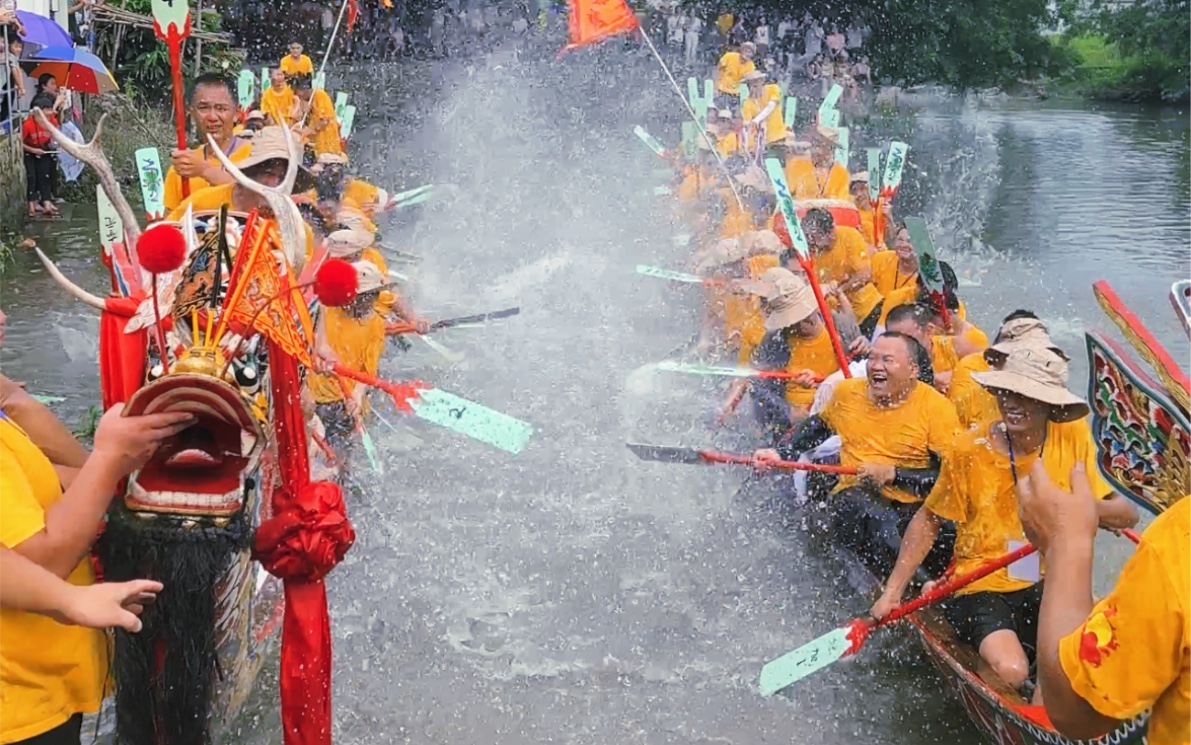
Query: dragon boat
[{"x": 227, "y": 515}]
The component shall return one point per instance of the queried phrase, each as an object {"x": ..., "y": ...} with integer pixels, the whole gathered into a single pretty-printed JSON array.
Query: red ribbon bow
[{"x": 307, "y": 537}]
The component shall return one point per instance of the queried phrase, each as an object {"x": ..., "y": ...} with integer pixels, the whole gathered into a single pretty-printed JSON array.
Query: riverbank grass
[{"x": 1100, "y": 71}]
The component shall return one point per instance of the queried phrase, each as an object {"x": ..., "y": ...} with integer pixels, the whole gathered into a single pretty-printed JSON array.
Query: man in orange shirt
[
  {"x": 819, "y": 176},
  {"x": 296, "y": 63},
  {"x": 843, "y": 264},
  {"x": 732, "y": 68},
  {"x": 1100, "y": 663},
  {"x": 215, "y": 110}
]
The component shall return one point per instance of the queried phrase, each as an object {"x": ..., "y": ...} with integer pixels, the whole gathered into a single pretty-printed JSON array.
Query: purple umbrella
[{"x": 42, "y": 31}]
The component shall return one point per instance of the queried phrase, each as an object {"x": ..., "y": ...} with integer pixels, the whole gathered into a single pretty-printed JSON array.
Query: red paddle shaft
[
  {"x": 836, "y": 344},
  {"x": 785, "y": 465},
  {"x": 175, "y": 46}
]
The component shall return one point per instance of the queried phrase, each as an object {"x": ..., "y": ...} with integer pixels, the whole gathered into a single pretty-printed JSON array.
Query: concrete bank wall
[{"x": 12, "y": 184}]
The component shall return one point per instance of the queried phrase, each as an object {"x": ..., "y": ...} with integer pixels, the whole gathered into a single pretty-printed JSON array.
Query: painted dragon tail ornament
[
  {"x": 228, "y": 506},
  {"x": 1140, "y": 425}
]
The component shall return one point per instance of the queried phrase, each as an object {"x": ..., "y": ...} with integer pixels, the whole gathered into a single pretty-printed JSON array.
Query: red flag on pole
[
  {"x": 353, "y": 12},
  {"x": 595, "y": 20}
]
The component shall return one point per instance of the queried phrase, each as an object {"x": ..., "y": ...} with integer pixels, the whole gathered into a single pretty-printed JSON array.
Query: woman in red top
[{"x": 41, "y": 166}]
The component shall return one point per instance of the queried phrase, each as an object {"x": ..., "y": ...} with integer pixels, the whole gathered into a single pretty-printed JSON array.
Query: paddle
[
  {"x": 785, "y": 202},
  {"x": 841, "y": 151},
  {"x": 673, "y": 276},
  {"x": 148, "y": 167},
  {"x": 477, "y": 318},
  {"x": 111, "y": 237},
  {"x": 695, "y": 457},
  {"x": 398, "y": 253},
  {"x": 46, "y": 400},
  {"x": 874, "y": 189},
  {"x": 929, "y": 273},
  {"x": 847, "y": 640},
  {"x": 650, "y": 141},
  {"x": 448, "y": 410},
  {"x": 828, "y": 106},
  {"x": 790, "y": 112},
  {"x": 400, "y": 329},
  {"x": 729, "y": 372},
  {"x": 412, "y": 196},
  {"x": 171, "y": 23}
]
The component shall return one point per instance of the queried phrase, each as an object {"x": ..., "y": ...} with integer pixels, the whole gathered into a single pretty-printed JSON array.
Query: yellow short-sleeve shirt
[
  {"x": 300, "y": 66},
  {"x": 357, "y": 342},
  {"x": 904, "y": 435},
  {"x": 362, "y": 193},
  {"x": 1134, "y": 651},
  {"x": 943, "y": 357},
  {"x": 846, "y": 258},
  {"x": 807, "y": 182},
  {"x": 733, "y": 67},
  {"x": 973, "y": 403},
  {"x": 816, "y": 355},
  {"x": 214, "y": 197},
  {"x": 172, "y": 196},
  {"x": 775, "y": 124},
  {"x": 48, "y": 672},
  {"x": 279, "y": 104},
  {"x": 327, "y": 139},
  {"x": 975, "y": 489},
  {"x": 887, "y": 277}
]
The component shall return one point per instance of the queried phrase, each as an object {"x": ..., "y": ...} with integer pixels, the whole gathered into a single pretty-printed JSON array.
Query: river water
[{"x": 573, "y": 594}]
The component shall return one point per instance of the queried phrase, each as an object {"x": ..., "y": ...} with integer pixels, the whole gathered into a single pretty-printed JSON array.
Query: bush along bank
[{"x": 1100, "y": 71}]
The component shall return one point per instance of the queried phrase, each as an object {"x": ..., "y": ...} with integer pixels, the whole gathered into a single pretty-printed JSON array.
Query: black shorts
[
  {"x": 67, "y": 733},
  {"x": 339, "y": 425},
  {"x": 976, "y": 616}
]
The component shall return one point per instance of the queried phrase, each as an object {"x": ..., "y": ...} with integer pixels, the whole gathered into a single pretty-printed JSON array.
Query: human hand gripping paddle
[{"x": 693, "y": 456}]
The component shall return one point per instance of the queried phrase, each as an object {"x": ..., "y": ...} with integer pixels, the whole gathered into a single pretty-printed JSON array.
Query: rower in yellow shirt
[
  {"x": 862, "y": 198},
  {"x": 1039, "y": 421},
  {"x": 921, "y": 321},
  {"x": 895, "y": 268},
  {"x": 762, "y": 111},
  {"x": 214, "y": 110},
  {"x": 732, "y": 68},
  {"x": 819, "y": 176},
  {"x": 277, "y": 101},
  {"x": 296, "y": 63},
  {"x": 321, "y": 131},
  {"x": 843, "y": 264},
  {"x": 1100, "y": 663},
  {"x": 973, "y": 404}
]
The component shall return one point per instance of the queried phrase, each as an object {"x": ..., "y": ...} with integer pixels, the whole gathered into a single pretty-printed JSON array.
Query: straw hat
[
  {"x": 332, "y": 159},
  {"x": 269, "y": 144},
  {"x": 1017, "y": 333},
  {"x": 724, "y": 252},
  {"x": 791, "y": 307},
  {"x": 774, "y": 282},
  {"x": 830, "y": 134},
  {"x": 751, "y": 76},
  {"x": 255, "y": 114},
  {"x": 347, "y": 242},
  {"x": 861, "y": 177},
  {"x": 762, "y": 242},
  {"x": 1034, "y": 370},
  {"x": 368, "y": 276},
  {"x": 796, "y": 145},
  {"x": 755, "y": 178}
]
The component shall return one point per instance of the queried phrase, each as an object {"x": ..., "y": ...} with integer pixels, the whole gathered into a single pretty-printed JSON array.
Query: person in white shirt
[
  {"x": 761, "y": 39},
  {"x": 691, "y": 39}
]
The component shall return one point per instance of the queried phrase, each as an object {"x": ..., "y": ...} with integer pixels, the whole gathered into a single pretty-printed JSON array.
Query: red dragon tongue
[{"x": 192, "y": 458}]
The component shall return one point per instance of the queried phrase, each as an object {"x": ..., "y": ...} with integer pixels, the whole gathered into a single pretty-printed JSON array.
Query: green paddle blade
[
  {"x": 320, "y": 82},
  {"x": 472, "y": 419},
  {"x": 895, "y": 164},
  {"x": 829, "y": 102},
  {"x": 718, "y": 370},
  {"x": 743, "y": 92},
  {"x": 785, "y": 202},
  {"x": 47, "y": 400},
  {"x": 928, "y": 266},
  {"x": 660, "y": 273},
  {"x": 841, "y": 152},
  {"x": 649, "y": 140},
  {"x": 245, "y": 88},
  {"x": 148, "y": 166},
  {"x": 340, "y": 105},
  {"x": 874, "y": 172},
  {"x": 661, "y": 191},
  {"x": 370, "y": 450},
  {"x": 829, "y": 118},
  {"x": 791, "y": 111},
  {"x": 808, "y": 659},
  {"x": 347, "y": 121},
  {"x": 414, "y": 196}
]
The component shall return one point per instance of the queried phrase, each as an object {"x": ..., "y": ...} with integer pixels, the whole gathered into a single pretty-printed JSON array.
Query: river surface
[{"x": 574, "y": 594}]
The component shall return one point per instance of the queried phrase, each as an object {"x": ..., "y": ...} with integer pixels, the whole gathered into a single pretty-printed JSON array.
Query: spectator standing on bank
[{"x": 690, "y": 39}]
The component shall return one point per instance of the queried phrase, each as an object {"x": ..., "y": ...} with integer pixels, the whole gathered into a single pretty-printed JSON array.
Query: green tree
[{"x": 1154, "y": 38}]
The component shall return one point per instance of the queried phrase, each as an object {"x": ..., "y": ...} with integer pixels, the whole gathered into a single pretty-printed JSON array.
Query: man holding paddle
[{"x": 1040, "y": 420}]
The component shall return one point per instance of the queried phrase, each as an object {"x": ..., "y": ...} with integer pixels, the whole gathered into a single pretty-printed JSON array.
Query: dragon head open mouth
[{"x": 202, "y": 470}]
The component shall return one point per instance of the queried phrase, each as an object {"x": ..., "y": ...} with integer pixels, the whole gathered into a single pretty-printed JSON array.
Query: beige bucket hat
[
  {"x": 1017, "y": 333},
  {"x": 724, "y": 252},
  {"x": 268, "y": 144},
  {"x": 759, "y": 242},
  {"x": 343, "y": 243},
  {"x": 1034, "y": 370},
  {"x": 775, "y": 282},
  {"x": 754, "y": 177},
  {"x": 751, "y": 76},
  {"x": 368, "y": 276},
  {"x": 790, "y": 308},
  {"x": 861, "y": 177},
  {"x": 830, "y": 134}
]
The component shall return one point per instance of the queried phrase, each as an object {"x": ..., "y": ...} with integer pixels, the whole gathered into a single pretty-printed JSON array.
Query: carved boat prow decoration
[{"x": 1140, "y": 425}]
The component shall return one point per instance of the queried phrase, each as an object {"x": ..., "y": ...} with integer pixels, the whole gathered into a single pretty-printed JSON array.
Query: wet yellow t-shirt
[
  {"x": 906, "y": 295},
  {"x": 172, "y": 196},
  {"x": 300, "y": 66},
  {"x": 327, "y": 139},
  {"x": 887, "y": 277},
  {"x": 973, "y": 403},
  {"x": 975, "y": 489},
  {"x": 775, "y": 125},
  {"x": 943, "y": 357},
  {"x": 904, "y": 435},
  {"x": 1134, "y": 651},
  {"x": 48, "y": 672},
  {"x": 729, "y": 144},
  {"x": 816, "y": 355},
  {"x": 737, "y": 221},
  {"x": 808, "y": 182},
  {"x": 279, "y": 104},
  {"x": 732, "y": 68},
  {"x": 214, "y": 197},
  {"x": 846, "y": 258},
  {"x": 363, "y": 194},
  {"x": 357, "y": 342}
]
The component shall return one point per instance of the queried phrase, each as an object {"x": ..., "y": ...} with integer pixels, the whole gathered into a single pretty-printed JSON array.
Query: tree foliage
[{"x": 1154, "y": 39}]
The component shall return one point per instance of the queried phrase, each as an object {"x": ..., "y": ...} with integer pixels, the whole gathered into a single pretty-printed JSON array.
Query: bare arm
[
  {"x": 1116, "y": 512},
  {"x": 916, "y": 544},
  {"x": 44, "y": 429}
]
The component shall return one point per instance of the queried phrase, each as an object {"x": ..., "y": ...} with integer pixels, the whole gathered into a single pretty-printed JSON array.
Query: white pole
[
  {"x": 695, "y": 117},
  {"x": 334, "y": 33}
]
